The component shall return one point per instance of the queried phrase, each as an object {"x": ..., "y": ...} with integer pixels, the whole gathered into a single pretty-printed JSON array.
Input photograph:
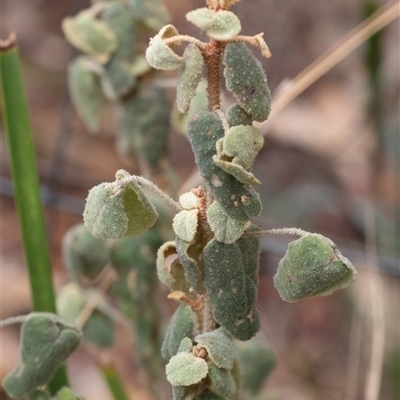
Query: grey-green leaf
[
  {"x": 180, "y": 327},
  {"x": 220, "y": 347},
  {"x": 83, "y": 254},
  {"x": 187, "y": 254},
  {"x": 85, "y": 91},
  {"x": 189, "y": 77},
  {"x": 230, "y": 277},
  {"x": 185, "y": 346},
  {"x": 226, "y": 230},
  {"x": 246, "y": 80},
  {"x": 160, "y": 56},
  {"x": 118, "y": 209},
  {"x": 46, "y": 342},
  {"x": 184, "y": 369},
  {"x": 185, "y": 224},
  {"x": 237, "y": 116},
  {"x": 66, "y": 393},
  {"x": 312, "y": 266},
  {"x": 220, "y": 25},
  {"x": 240, "y": 202},
  {"x": 91, "y": 35},
  {"x": 222, "y": 380}
]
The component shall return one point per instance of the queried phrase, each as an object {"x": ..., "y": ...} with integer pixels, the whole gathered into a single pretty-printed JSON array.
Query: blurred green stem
[
  {"x": 114, "y": 383},
  {"x": 26, "y": 185}
]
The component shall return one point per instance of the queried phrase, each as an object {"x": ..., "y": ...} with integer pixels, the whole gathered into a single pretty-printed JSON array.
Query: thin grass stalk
[
  {"x": 114, "y": 383},
  {"x": 26, "y": 185}
]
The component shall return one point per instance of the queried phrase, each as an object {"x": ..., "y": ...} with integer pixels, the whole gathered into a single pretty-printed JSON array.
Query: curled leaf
[
  {"x": 46, "y": 342},
  {"x": 159, "y": 55},
  {"x": 238, "y": 200},
  {"x": 226, "y": 230},
  {"x": 237, "y": 116},
  {"x": 189, "y": 77},
  {"x": 118, "y": 209},
  {"x": 90, "y": 35},
  {"x": 219, "y": 346},
  {"x": 222, "y": 381},
  {"x": 219, "y": 25},
  {"x": 312, "y": 266},
  {"x": 189, "y": 201},
  {"x": 188, "y": 255},
  {"x": 185, "y": 224},
  {"x": 184, "y": 369}
]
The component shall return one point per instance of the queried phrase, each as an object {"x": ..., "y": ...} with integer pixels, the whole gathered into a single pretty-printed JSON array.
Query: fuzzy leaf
[
  {"x": 219, "y": 346},
  {"x": 46, "y": 342},
  {"x": 226, "y": 230},
  {"x": 246, "y": 80},
  {"x": 70, "y": 302},
  {"x": 230, "y": 277},
  {"x": 257, "y": 361},
  {"x": 143, "y": 125},
  {"x": 38, "y": 395},
  {"x": 222, "y": 380},
  {"x": 180, "y": 327},
  {"x": 150, "y": 12},
  {"x": 184, "y": 369},
  {"x": 189, "y": 77},
  {"x": 185, "y": 224},
  {"x": 85, "y": 90},
  {"x": 185, "y": 346},
  {"x": 83, "y": 254},
  {"x": 237, "y": 116},
  {"x": 242, "y": 143},
  {"x": 237, "y": 171},
  {"x": 114, "y": 210},
  {"x": 67, "y": 394},
  {"x": 160, "y": 56},
  {"x": 312, "y": 266},
  {"x": 182, "y": 392},
  {"x": 118, "y": 72},
  {"x": 239, "y": 201},
  {"x": 219, "y": 25},
  {"x": 90, "y": 35},
  {"x": 187, "y": 257},
  {"x": 207, "y": 394},
  {"x": 189, "y": 201}
]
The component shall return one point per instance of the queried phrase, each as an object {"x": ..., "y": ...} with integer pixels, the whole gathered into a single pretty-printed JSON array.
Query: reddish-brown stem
[{"x": 212, "y": 56}]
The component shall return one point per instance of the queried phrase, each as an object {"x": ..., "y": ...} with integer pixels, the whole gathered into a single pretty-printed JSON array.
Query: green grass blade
[
  {"x": 26, "y": 184},
  {"x": 114, "y": 383}
]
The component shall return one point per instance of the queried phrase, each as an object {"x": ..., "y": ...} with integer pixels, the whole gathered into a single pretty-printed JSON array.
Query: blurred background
[{"x": 330, "y": 161}]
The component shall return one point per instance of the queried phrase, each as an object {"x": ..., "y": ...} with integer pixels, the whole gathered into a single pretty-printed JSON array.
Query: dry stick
[
  {"x": 335, "y": 54},
  {"x": 321, "y": 66},
  {"x": 374, "y": 373}
]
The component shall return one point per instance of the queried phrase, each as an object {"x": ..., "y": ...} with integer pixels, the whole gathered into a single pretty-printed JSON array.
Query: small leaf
[
  {"x": 189, "y": 77},
  {"x": 184, "y": 369},
  {"x": 46, "y": 342},
  {"x": 90, "y": 35},
  {"x": 187, "y": 254},
  {"x": 180, "y": 327},
  {"x": 222, "y": 381},
  {"x": 246, "y": 80},
  {"x": 219, "y": 25},
  {"x": 185, "y": 346},
  {"x": 38, "y": 395},
  {"x": 160, "y": 56},
  {"x": 83, "y": 254},
  {"x": 237, "y": 171},
  {"x": 99, "y": 330},
  {"x": 237, "y": 116},
  {"x": 219, "y": 346},
  {"x": 312, "y": 266},
  {"x": 85, "y": 91},
  {"x": 118, "y": 209},
  {"x": 67, "y": 394},
  {"x": 182, "y": 392},
  {"x": 70, "y": 302},
  {"x": 152, "y": 13},
  {"x": 189, "y": 201},
  {"x": 238, "y": 200},
  {"x": 185, "y": 224},
  {"x": 257, "y": 361},
  {"x": 207, "y": 394},
  {"x": 226, "y": 230}
]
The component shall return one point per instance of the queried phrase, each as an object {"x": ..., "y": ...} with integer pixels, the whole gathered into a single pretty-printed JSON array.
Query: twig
[
  {"x": 386, "y": 14},
  {"x": 20, "y": 319},
  {"x": 277, "y": 232}
]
